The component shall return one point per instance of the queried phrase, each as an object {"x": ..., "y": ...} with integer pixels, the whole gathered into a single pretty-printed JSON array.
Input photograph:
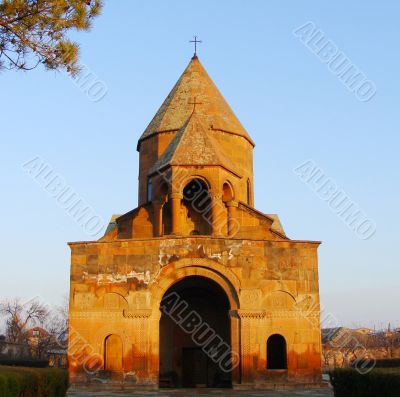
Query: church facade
[{"x": 195, "y": 287}]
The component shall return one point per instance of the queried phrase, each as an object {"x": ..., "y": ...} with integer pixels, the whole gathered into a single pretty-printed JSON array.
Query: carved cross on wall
[{"x": 194, "y": 103}]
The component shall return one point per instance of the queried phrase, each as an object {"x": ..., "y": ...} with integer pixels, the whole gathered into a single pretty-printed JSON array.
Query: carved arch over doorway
[{"x": 207, "y": 268}]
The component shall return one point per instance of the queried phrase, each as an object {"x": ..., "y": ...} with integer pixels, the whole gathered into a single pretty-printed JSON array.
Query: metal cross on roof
[{"x": 195, "y": 41}]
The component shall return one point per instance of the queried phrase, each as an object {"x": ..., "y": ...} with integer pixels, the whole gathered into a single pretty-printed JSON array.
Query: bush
[
  {"x": 24, "y": 362},
  {"x": 32, "y": 382},
  {"x": 350, "y": 383},
  {"x": 388, "y": 363}
]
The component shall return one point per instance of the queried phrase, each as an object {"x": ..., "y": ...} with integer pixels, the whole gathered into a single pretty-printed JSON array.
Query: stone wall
[{"x": 117, "y": 286}]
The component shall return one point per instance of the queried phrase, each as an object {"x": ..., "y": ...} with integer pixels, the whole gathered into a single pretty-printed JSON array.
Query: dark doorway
[
  {"x": 276, "y": 352},
  {"x": 194, "y": 367},
  {"x": 185, "y": 361}
]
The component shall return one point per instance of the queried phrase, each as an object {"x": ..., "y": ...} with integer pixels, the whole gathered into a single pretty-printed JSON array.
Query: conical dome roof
[{"x": 195, "y": 83}]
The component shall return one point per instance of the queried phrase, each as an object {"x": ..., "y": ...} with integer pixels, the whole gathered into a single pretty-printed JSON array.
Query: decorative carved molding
[
  {"x": 251, "y": 314},
  {"x": 139, "y": 313},
  {"x": 291, "y": 314},
  {"x": 95, "y": 315}
]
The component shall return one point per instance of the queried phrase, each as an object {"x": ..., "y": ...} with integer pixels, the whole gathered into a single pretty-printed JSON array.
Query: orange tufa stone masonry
[{"x": 195, "y": 287}]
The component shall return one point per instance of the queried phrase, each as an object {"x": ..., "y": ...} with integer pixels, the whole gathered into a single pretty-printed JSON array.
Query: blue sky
[{"x": 294, "y": 108}]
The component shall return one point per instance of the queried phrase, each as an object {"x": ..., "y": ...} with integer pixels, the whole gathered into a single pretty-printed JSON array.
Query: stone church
[{"x": 195, "y": 287}]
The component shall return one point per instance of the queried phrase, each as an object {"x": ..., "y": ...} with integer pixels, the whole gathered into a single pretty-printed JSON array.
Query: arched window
[
  {"x": 113, "y": 353},
  {"x": 149, "y": 189},
  {"x": 227, "y": 193},
  {"x": 197, "y": 203},
  {"x": 166, "y": 218},
  {"x": 276, "y": 352},
  {"x": 248, "y": 192},
  {"x": 166, "y": 210}
]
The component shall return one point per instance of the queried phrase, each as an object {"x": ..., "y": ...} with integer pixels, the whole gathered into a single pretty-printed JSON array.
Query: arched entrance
[
  {"x": 195, "y": 335},
  {"x": 276, "y": 352},
  {"x": 113, "y": 353}
]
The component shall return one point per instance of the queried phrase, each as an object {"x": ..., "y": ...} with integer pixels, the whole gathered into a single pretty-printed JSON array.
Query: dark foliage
[
  {"x": 376, "y": 383},
  {"x": 32, "y": 382}
]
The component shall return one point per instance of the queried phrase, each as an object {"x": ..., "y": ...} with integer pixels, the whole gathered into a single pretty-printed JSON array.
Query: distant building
[
  {"x": 58, "y": 358},
  {"x": 344, "y": 347},
  {"x": 38, "y": 345},
  {"x": 364, "y": 331},
  {"x": 11, "y": 349}
]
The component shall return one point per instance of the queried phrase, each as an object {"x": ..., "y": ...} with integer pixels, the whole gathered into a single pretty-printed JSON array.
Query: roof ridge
[
  {"x": 166, "y": 157},
  {"x": 193, "y": 129},
  {"x": 180, "y": 135}
]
